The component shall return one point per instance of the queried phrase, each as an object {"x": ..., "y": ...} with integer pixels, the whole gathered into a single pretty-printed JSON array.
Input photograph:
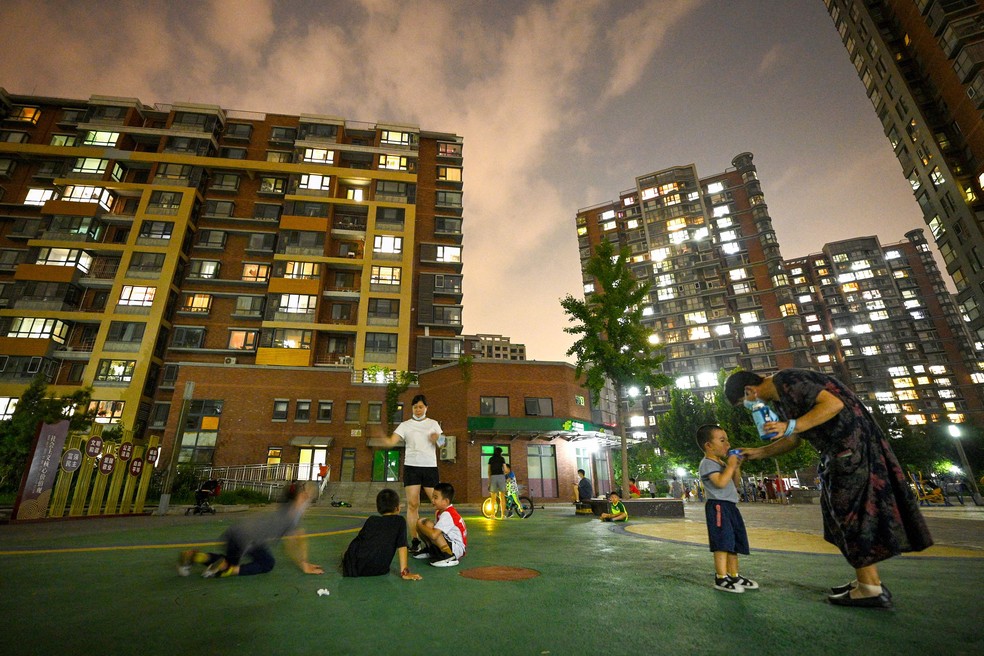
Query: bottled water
[{"x": 762, "y": 414}]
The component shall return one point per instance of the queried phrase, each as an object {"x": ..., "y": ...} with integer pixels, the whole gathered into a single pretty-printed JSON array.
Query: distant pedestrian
[{"x": 497, "y": 482}]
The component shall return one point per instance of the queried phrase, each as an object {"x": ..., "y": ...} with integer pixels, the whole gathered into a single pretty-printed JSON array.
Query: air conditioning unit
[
  {"x": 229, "y": 360},
  {"x": 449, "y": 451}
]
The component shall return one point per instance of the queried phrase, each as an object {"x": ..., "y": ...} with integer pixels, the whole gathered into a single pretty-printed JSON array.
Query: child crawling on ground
[{"x": 371, "y": 552}]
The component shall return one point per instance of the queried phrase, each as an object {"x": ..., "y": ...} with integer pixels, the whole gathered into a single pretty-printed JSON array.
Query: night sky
[{"x": 561, "y": 105}]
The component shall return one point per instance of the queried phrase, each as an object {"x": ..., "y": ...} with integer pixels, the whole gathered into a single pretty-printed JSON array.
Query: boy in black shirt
[{"x": 372, "y": 550}]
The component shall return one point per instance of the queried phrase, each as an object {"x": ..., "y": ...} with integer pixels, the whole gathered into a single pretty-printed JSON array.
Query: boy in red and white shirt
[{"x": 446, "y": 539}]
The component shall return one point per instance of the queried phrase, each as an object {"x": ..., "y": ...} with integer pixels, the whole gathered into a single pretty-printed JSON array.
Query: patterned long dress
[{"x": 869, "y": 511}]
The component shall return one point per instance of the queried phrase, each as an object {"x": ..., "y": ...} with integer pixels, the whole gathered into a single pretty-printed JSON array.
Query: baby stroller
[{"x": 203, "y": 497}]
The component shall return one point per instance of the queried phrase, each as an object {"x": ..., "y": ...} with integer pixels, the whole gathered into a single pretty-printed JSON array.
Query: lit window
[
  {"x": 700, "y": 332},
  {"x": 319, "y": 155},
  {"x": 98, "y": 138},
  {"x": 696, "y": 317},
  {"x": 393, "y": 162},
  {"x": 451, "y": 254},
  {"x": 738, "y": 274},
  {"x": 388, "y": 244},
  {"x": 315, "y": 182},
  {"x": 139, "y": 296},
  {"x": 752, "y": 331},
  {"x": 38, "y": 196},
  {"x": 748, "y": 317},
  {"x": 730, "y": 248}
]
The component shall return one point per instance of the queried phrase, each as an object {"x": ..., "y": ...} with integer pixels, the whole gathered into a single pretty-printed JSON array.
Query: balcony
[
  {"x": 333, "y": 360},
  {"x": 332, "y": 291}
]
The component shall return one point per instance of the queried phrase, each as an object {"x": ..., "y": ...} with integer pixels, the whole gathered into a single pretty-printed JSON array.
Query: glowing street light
[{"x": 954, "y": 431}]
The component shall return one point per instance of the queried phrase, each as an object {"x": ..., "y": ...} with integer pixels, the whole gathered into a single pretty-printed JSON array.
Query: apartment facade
[
  {"x": 880, "y": 318},
  {"x": 922, "y": 65},
  {"x": 721, "y": 296},
  {"x": 136, "y": 238},
  {"x": 495, "y": 347}
]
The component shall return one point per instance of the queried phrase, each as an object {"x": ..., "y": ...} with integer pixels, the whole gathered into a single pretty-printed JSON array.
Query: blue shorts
[{"x": 725, "y": 527}]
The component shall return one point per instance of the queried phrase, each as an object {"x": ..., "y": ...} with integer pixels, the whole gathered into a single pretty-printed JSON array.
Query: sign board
[
  {"x": 93, "y": 446},
  {"x": 136, "y": 467},
  {"x": 126, "y": 451},
  {"x": 107, "y": 464},
  {"x": 71, "y": 460},
  {"x": 152, "y": 455},
  {"x": 35, "y": 493}
]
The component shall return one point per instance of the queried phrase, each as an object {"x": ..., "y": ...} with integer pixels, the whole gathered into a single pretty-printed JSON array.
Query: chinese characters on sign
[
  {"x": 107, "y": 464},
  {"x": 93, "y": 447},
  {"x": 136, "y": 466},
  {"x": 126, "y": 451},
  {"x": 72, "y": 460},
  {"x": 152, "y": 455},
  {"x": 32, "y": 502}
]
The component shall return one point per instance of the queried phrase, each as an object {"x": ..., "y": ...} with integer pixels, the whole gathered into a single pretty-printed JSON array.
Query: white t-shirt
[{"x": 421, "y": 452}]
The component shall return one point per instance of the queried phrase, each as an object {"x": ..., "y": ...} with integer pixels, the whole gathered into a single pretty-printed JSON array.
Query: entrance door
[
  {"x": 310, "y": 459},
  {"x": 542, "y": 463}
]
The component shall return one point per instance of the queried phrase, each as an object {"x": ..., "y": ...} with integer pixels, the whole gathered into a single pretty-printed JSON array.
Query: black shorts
[
  {"x": 725, "y": 527},
  {"x": 423, "y": 476}
]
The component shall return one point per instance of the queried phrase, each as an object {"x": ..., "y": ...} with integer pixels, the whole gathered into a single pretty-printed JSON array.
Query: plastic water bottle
[{"x": 761, "y": 414}]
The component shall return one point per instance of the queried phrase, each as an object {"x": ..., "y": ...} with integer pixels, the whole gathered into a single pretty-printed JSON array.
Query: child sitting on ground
[
  {"x": 725, "y": 528},
  {"x": 253, "y": 537},
  {"x": 372, "y": 550},
  {"x": 617, "y": 513},
  {"x": 446, "y": 539}
]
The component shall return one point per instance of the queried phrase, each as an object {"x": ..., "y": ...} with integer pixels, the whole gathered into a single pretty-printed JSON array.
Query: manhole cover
[{"x": 500, "y": 573}]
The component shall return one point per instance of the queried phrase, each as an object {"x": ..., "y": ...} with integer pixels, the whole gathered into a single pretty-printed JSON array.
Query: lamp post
[{"x": 968, "y": 473}]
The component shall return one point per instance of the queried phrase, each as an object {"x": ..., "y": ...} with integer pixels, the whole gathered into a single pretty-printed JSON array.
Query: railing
[{"x": 264, "y": 478}]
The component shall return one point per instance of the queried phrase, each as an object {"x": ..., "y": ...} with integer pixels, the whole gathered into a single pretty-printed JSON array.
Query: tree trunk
[{"x": 620, "y": 417}]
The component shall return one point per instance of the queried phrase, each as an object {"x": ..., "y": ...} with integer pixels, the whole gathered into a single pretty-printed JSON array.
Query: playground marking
[
  {"x": 695, "y": 533},
  {"x": 138, "y": 547}
]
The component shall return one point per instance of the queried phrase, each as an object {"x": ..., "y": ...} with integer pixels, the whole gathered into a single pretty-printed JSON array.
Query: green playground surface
[{"x": 109, "y": 586}]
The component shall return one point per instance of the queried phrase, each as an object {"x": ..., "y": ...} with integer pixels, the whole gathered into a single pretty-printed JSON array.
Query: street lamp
[{"x": 954, "y": 431}]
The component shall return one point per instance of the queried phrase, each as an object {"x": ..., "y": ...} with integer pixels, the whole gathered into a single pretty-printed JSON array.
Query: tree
[
  {"x": 397, "y": 382},
  {"x": 677, "y": 427},
  {"x": 34, "y": 407},
  {"x": 612, "y": 344}
]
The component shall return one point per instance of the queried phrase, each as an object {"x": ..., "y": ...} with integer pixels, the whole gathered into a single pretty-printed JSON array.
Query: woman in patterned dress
[{"x": 869, "y": 511}]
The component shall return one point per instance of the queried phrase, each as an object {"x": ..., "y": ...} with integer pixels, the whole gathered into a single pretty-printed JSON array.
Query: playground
[{"x": 554, "y": 583}]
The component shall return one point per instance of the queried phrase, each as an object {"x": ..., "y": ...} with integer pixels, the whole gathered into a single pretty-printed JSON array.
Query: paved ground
[{"x": 109, "y": 586}]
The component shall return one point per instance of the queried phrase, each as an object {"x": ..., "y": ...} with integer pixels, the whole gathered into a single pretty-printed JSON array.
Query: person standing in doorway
[{"x": 420, "y": 434}]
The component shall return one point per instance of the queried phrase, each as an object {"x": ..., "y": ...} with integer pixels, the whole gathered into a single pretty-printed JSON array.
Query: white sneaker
[{"x": 450, "y": 561}]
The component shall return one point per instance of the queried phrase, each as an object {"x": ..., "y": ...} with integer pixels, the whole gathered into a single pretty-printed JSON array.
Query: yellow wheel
[{"x": 488, "y": 508}]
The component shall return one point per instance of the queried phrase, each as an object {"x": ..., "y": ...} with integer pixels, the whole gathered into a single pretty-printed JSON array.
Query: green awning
[{"x": 541, "y": 427}]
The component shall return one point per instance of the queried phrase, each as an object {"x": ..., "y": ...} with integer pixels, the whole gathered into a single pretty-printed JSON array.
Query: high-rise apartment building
[
  {"x": 880, "y": 318},
  {"x": 922, "y": 64},
  {"x": 721, "y": 296},
  {"x": 139, "y": 240},
  {"x": 496, "y": 347}
]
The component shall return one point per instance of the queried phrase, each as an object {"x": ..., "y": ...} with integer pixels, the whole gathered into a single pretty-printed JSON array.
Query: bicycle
[
  {"x": 521, "y": 506},
  {"x": 339, "y": 504}
]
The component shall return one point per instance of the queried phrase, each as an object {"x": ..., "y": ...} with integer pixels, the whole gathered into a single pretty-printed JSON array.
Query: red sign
[
  {"x": 152, "y": 455},
  {"x": 94, "y": 446},
  {"x": 71, "y": 460},
  {"x": 126, "y": 451},
  {"x": 136, "y": 466},
  {"x": 107, "y": 464}
]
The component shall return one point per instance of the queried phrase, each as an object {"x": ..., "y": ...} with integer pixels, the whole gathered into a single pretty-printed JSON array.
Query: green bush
[{"x": 242, "y": 496}]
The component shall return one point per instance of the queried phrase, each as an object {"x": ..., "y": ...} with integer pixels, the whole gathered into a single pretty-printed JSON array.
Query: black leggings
[{"x": 261, "y": 562}]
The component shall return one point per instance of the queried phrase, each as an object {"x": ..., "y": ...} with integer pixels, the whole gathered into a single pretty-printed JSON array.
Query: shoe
[
  {"x": 216, "y": 569},
  {"x": 878, "y": 601},
  {"x": 414, "y": 547},
  {"x": 725, "y": 584},
  {"x": 747, "y": 584},
  {"x": 422, "y": 555},
  {"x": 450, "y": 561},
  {"x": 184, "y": 563},
  {"x": 841, "y": 589}
]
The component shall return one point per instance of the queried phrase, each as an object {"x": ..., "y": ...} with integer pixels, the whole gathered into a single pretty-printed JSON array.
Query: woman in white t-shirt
[{"x": 421, "y": 436}]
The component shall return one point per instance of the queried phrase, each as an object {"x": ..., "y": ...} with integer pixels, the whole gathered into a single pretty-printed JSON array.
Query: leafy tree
[
  {"x": 678, "y": 426},
  {"x": 612, "y": 343},
  {"x": 34, "y": 407},
  {"x": 397, "y": 382}
]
